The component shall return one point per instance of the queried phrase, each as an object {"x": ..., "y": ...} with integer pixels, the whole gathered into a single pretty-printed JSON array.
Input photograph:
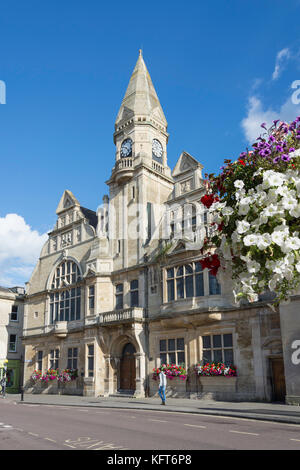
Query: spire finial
[{"x": 140, "y": 52}]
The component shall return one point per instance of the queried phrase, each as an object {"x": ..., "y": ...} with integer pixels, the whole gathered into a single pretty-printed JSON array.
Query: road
[{"x": 53, "y": 427}]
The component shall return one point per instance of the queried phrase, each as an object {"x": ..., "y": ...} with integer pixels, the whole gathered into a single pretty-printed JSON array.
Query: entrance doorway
[
  {"x": 278, "y": 379},
  {"x": 127, "y": 368}
]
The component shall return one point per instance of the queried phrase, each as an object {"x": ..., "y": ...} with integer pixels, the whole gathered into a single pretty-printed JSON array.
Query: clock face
[
  {"x": 126, "y": 148},
  {"x": 157, "y": 150}
]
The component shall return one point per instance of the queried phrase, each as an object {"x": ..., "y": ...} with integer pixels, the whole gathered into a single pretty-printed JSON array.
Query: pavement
[{"x": 275, "y": 412}]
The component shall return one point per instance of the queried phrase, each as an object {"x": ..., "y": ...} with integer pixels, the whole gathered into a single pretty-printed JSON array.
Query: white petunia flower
[
  {"x": 279, "y": 237},
  {"x": 227, "y": 211},
  {"x": 273, "y": 178},
  {"x": 288, "y": 203},
  {"x": 250, "y": 239},
  {"x": 242, "y": 226},
  {"x": 239, "y": 184},
  {"x": 271, "y": 210},
  {"x": 264, "y": 241},
  {"x": 295, "y": 211},
  {"x": 253, "y": 266},
  {"x": 291, "y": 243},
  {"x": 244, "y": 209}
]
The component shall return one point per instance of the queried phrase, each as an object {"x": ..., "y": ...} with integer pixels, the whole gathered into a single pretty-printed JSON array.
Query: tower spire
[{"x": 141, "y": 98}]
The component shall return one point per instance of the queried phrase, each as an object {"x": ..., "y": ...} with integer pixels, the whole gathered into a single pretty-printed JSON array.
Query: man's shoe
[{"x": 163, "y": 403}]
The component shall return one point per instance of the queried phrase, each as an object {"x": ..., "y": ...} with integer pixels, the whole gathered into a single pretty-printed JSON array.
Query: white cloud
[
  {"x": 281, "y": 58},
  {"x": 20, "y": 248},
  {"x": 257, "y": 115}
]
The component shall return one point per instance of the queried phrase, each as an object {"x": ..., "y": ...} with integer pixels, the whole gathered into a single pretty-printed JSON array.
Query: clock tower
[{"x": 141, "y": 180}]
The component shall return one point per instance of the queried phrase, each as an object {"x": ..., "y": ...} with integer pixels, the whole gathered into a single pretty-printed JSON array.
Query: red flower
[{"x": 208, "y": 200}]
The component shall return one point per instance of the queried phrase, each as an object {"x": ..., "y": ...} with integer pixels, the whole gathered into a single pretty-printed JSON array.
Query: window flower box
[
  {"x": 172, "y": 371},
  {"x": 217, "y": 381},
  {"x": 176, "y": 379},
  {"x": 219, "y": 387},
  {"x": 215, "y": 370}
]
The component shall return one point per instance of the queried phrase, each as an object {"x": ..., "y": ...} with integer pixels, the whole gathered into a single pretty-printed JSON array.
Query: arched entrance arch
[{"x": 128, "y": 368}]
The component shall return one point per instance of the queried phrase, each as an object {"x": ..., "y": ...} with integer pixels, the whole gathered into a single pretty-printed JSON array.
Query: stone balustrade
[
  {"x": 117, "y": 316},
  {"x": 124, "y": 163},
  {"x": 157, "y": 167}
]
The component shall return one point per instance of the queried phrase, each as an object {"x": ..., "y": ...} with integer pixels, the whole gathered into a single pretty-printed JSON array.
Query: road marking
[
  {"x": 195, "y": 426},
  {"x": 7, "y": 426},
  {"x": 48, "y": 439},
  {"x": 298, "y": 440},
  {"x": 242, "y": 432},
  {"x": 158, "y": 420},
  {"x": 33, "y": 434},
  {"x": 68, "y": 445}
]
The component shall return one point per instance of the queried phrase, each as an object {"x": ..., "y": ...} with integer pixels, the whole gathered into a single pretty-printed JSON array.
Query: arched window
[{"x": 65, "y": 296}]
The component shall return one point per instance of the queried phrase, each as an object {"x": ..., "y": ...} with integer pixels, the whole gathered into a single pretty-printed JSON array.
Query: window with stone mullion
[
  {"x": 66, "y": 299},
  {"x": 184, "y": 282},
  {"x": 172, "y": 351}
]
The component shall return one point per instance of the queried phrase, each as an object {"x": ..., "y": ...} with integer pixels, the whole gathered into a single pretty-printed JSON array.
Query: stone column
[
  {"x": 258, "y": 359},
  {"x": 117, "y": 362},
  {"x": 290, "y": 334},
  {"x": 139, "y": 377},
  {"x": 107, "y": 376}
]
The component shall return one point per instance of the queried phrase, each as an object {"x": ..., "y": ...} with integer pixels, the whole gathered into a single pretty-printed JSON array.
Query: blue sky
[{"x": 219, "y": 68}]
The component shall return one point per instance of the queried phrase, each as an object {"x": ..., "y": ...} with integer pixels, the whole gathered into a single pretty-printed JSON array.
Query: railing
[
  {"x": 134, "y": 313},
  {"x": 124, "y": 163},
  {"x": 157, "y": 167}
]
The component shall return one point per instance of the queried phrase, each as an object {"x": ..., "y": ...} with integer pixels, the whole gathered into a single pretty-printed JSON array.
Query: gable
[
  {"x": 67, "y": 201},
  {"x": 186, "y": 163}
]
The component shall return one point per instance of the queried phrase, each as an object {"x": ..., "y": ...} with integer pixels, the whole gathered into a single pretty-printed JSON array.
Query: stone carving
[
  {"x": 66, "y": 239},
  {"x": 186, "y": 186}
]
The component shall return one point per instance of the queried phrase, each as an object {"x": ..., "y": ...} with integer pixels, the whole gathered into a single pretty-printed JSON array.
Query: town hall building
[{"x": 119, "y": 291}]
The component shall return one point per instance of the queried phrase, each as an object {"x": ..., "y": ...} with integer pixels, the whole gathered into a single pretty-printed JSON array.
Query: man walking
[{"x": 162, "y": 387}]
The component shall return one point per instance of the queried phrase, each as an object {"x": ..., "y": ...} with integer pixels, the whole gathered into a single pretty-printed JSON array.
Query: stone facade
[
  {"x": 118, "y": 291},
  {"x": 11, "y": 330}
]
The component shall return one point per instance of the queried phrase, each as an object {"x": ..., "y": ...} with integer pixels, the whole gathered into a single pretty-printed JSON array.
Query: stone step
[{"x": 123, "y": 394}]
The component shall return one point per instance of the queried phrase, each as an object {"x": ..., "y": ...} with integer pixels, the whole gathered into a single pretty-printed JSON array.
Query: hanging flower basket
[{"x": 255, "y": 204}]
